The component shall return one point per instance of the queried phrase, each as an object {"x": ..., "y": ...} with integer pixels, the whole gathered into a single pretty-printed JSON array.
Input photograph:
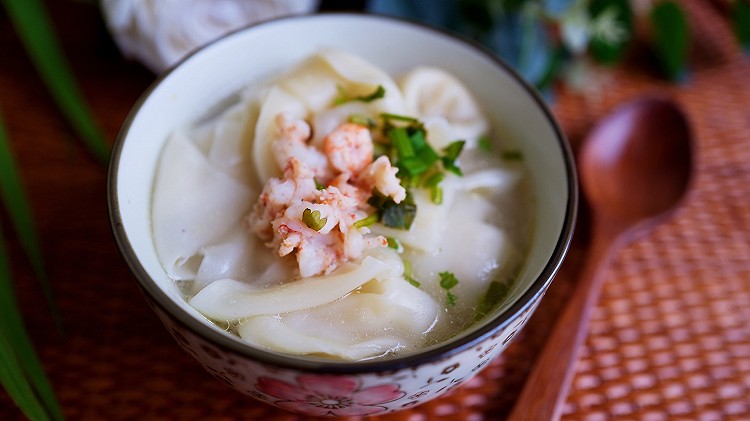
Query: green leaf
[
  {"x": 14, "y": 198},
  {"x": 670, "y": 31},
  {"x": 603, "y": 47},
  {"x": 391, "y": 214},
  {"x": 16, "y": 345},
  {"x": 741, "y": 22},
  {"x": 35, "y": 30},
  {"x": 13, "y": 381}
]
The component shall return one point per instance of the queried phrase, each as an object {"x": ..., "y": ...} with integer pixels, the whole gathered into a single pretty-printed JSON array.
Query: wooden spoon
[{"x": 634, "y": 168}]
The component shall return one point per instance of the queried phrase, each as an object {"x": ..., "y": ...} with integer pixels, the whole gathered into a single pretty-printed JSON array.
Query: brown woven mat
[{"x": 670, "y": 338}]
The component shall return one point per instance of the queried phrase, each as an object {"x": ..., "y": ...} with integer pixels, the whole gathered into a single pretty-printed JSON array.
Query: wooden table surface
[{"x": 670, "y": 338}]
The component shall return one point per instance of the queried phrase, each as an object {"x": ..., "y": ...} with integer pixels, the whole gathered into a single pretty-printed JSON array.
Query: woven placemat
[{"x": 670, "y": 338}]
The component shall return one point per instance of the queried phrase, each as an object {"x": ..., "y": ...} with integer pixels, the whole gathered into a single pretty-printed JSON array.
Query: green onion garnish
[
  {"x": 436, "y": 195},
  {"x": 434, "y": 180},
  {"x": 484, "y": 143},
  {"x": 366, "y": 222},
  {"x": 447, "y": 281},
  {"x": 496, "y": 292},
  {"x": 344, "y": 98},
  {"x": 452, "y": 152},
  {"x": 312, "y": 219},
  {"x": 391, "y": 214},
  {"x": 402, "y": 142},
  {"x": 362, "y": 120},
  {"x": 512, "y": 155},
  {"x": 397, "y": 117},
  {"x": 408, "y": 275}
]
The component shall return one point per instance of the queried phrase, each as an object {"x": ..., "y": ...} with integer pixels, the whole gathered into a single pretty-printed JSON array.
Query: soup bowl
[{"x": 203, "y": 81}]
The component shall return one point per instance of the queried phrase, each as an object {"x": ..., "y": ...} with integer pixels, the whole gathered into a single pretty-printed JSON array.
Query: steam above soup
[{"x": 338, "y": 214}]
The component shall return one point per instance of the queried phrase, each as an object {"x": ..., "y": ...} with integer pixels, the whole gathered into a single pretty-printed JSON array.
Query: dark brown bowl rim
[{"x": 431, "y": 355}]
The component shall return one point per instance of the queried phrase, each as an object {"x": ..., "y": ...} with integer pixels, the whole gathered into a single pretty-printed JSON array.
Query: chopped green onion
[
  {"x": 312, "y": 219},
  {"x": 396, "y": 117},
  {"x": 407, "y": 267},
  {"x": 401, "y": 142},
  {"x": 408, "y": 274},
  {"x": 453, "y": 150},
  {"x": 418, "y": 140},
  {"x": 451, "y": 154},
  {"x": 393, "y": 243},
  {"x": 512, "y": 155},
  {"x": 496, "y": 292},
  {"x": 428, "y": 156},
  {"x": 377, "y": 94},
  {"x": 447, "y": 281},
  {"x": 363, "y": 120},
  {"x": 344, "y": 98},
  {"x": 318, "y": 184},
  {"x": 436, "y": 195},
  {"x": 434, "y": 180},
  {"x": 366, "y": 222},
  {"x": 451, "y": 298},
  {"x": 413, "y": 165},
  {"x": 484, "y": 143}
]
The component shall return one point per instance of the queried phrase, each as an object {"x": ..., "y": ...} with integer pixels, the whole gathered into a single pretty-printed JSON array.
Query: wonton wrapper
[
  {"x": 432, "y": 94},
  {"x": 312, "y": 88}
]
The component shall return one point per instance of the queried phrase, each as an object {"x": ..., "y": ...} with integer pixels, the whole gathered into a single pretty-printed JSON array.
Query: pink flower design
[{"x": 329, "y": 395}]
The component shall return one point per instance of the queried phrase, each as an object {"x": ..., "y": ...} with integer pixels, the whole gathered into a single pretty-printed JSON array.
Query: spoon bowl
[
  {"x": 635, "y": 167},
  {"x": 636, "y": 163}
]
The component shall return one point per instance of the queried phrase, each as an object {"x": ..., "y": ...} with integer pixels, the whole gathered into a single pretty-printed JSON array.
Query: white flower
[
  {"x": 158, "y": 33},
  {"x": 607, "y": 27},
  {"x": 575, "y": 27}
]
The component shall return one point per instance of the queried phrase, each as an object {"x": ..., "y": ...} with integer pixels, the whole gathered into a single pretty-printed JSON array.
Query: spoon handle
[{"x": 547, "y": 386}]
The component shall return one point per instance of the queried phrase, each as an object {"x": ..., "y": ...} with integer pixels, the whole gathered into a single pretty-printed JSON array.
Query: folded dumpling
[
  {"x": 383, "y": 316},
  {"x": 436, "y": 97}
]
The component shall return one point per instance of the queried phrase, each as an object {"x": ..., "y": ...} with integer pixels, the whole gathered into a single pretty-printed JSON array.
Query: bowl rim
[{"x": 439, "y": 352}]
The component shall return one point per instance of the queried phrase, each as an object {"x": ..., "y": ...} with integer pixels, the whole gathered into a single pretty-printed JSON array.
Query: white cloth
[{"x": 158, "y": 33}]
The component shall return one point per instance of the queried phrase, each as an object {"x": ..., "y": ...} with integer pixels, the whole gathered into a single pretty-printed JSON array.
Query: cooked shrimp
[
  {"x": 316, "y": 253},
  {"x": 342, "y": 183},
  {"x": 279, "y": 214},
  {"x": 298, "y": 183},
  {"x": 293, "y": 135},
  {"x": 381, "y": 175},
  {"x": 349, "y": 148}
]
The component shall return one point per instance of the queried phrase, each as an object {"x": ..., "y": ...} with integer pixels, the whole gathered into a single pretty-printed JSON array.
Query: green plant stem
[{"x": 35, "y": 30}]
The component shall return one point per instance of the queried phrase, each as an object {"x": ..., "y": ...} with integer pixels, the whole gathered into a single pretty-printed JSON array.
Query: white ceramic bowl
[{"x": 206, "y": 78}]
